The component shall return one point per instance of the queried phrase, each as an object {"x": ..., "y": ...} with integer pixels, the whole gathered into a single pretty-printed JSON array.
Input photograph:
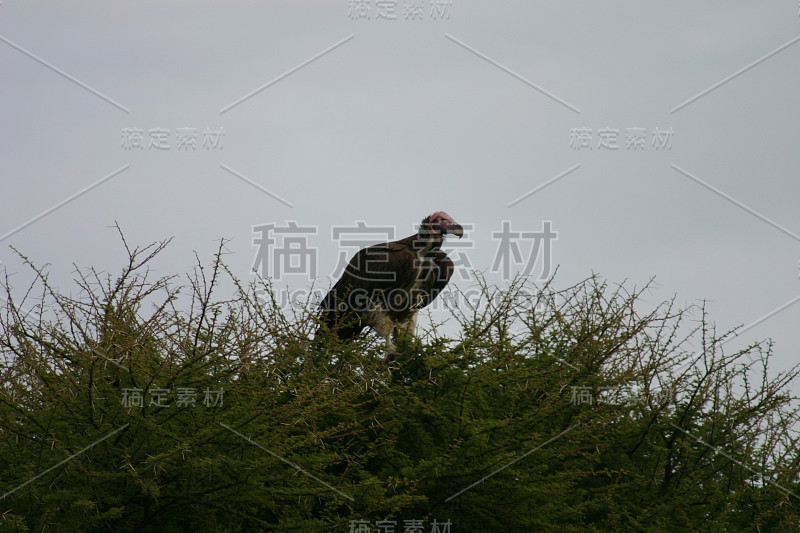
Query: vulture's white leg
[
  {"x": 383, "y": 324},
  {"x": 407, "y": 328},
  {"x": 391, "y": 349},
  {"x": 403, "y": 332}
]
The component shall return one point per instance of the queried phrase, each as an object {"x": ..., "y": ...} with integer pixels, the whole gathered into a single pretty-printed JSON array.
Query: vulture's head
[{"x": 440, "y": 224}]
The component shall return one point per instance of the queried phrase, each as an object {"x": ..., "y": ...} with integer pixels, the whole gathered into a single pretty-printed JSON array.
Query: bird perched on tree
[{"x": 384, "y": 286}]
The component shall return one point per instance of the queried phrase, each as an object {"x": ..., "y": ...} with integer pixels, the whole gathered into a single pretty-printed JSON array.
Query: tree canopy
[{"x": 142, "y": 404}]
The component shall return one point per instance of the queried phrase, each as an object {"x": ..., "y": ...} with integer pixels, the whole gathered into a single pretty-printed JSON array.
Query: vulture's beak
[{"x": 456, "y": 229}]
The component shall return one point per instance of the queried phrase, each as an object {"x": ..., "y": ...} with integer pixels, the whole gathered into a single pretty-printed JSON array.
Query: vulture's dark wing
[
  {"x": 442, "y": 272},
  {"x": 381, "y": 267},
  {"x": 372, "y": 275}
]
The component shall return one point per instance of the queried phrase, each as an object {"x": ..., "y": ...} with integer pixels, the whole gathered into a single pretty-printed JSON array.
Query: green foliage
[{"x": 553, "y": 410}]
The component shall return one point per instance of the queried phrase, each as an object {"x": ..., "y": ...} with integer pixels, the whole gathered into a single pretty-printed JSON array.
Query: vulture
[{"x": 384, "y": 286}]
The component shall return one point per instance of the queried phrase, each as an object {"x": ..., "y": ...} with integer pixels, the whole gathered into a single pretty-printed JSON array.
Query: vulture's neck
[{"x": 423, "y": 242}]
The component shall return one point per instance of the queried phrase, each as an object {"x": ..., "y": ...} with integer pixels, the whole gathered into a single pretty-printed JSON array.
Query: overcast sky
[{"x": 659, "y": 139}]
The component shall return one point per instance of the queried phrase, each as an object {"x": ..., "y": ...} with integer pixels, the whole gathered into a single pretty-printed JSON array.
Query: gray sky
[{"x": 464, "y": 107}]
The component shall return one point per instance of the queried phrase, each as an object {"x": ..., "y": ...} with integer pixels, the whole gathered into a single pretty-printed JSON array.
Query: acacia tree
[{"x": 147, "y": 404}]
